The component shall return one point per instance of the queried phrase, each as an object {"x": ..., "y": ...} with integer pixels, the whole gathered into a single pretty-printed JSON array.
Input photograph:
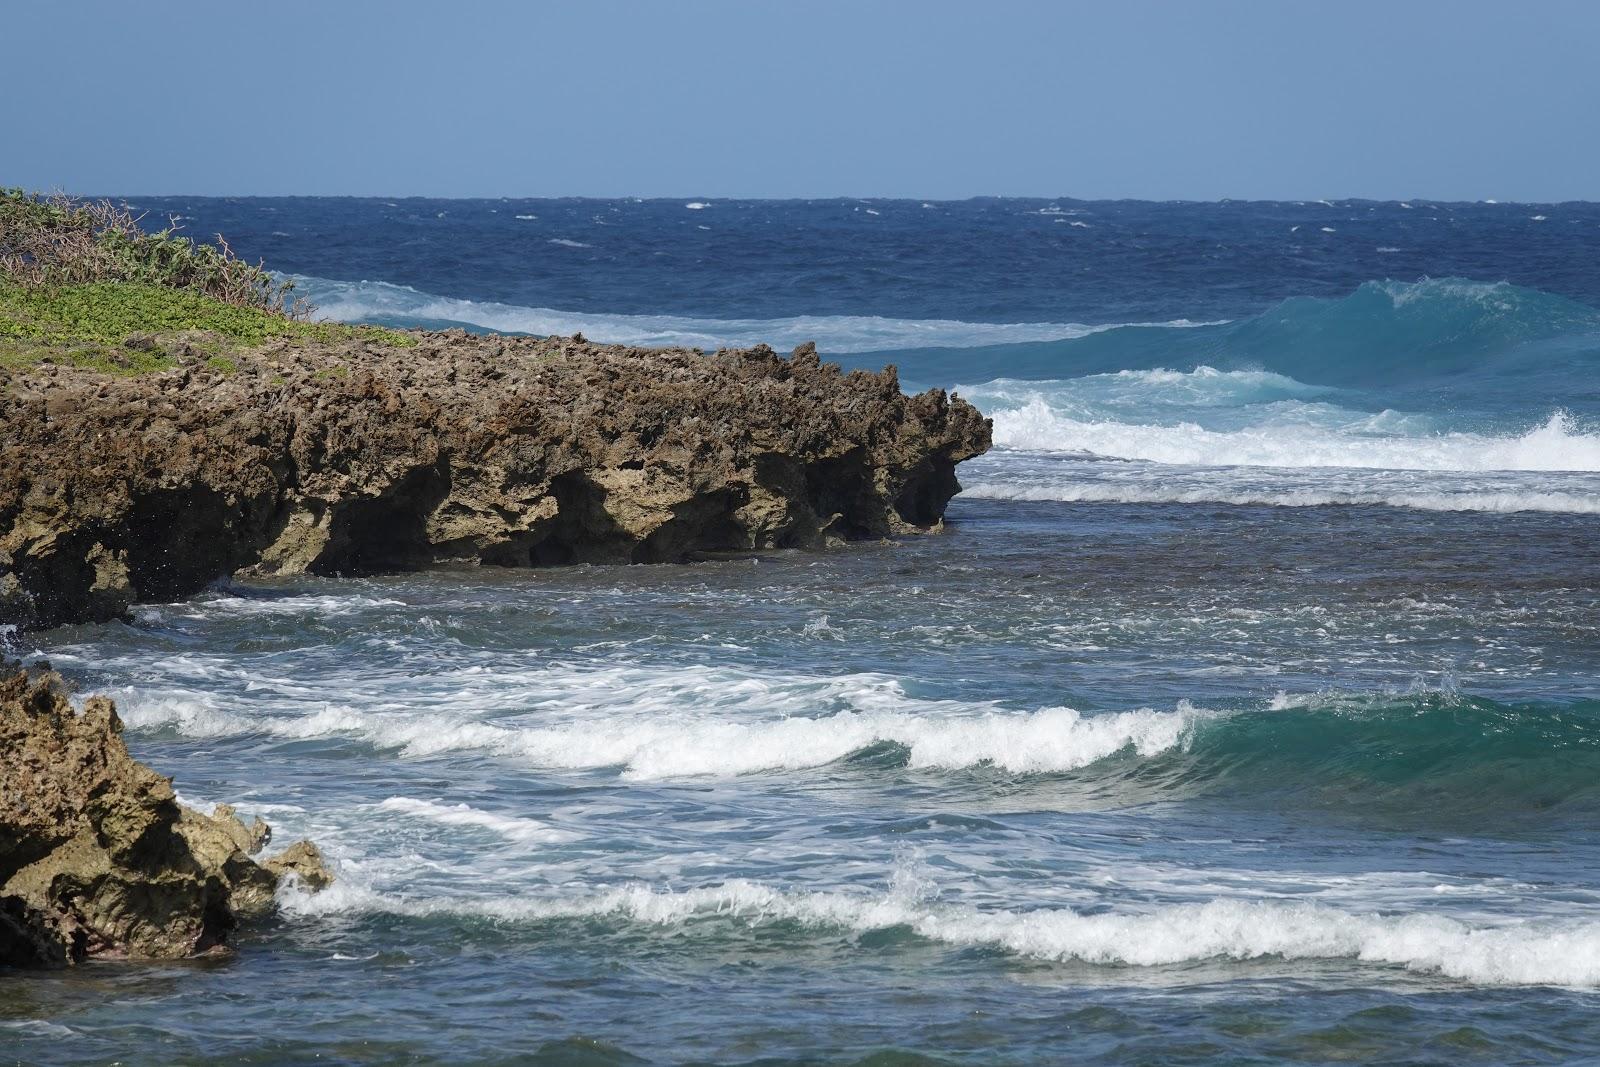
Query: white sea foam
[
  {"x": 1490, "y": 296},
  {"x": 513, "y": 828},
  {"x": 1050, "y": 740},
  {"x": 1555, "y": 445},
  {"x": 354, "y": 301},
  {"x": 38, "y": 1028},
  {"x": 1543, "y": 952},
  {"x": 567, "y": 243},
  {"x": 1100, "y": 492},
  {"x": 321, "y": 605},
  {"x": 1096, "y": 397},
  {"x": 662, "y": 730}
]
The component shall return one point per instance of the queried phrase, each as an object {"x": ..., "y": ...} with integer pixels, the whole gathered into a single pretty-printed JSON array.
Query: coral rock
[
  {"x": 354, "y": 457},
  {"x": 97, "y": 857}
]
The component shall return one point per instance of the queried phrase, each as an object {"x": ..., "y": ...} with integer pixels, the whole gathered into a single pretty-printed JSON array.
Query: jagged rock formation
[
  {"x": 97, "y": 857},
  {"x": 358, "y": 457}
]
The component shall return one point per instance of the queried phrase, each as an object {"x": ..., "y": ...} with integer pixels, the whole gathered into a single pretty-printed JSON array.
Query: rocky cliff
[
  {"x": 98, "y": 858},
  {"x": 357, "y": 456}
]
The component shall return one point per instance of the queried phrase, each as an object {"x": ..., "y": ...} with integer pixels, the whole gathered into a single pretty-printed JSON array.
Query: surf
[
  {"x": 384, "y": 303},
  {"x": 1560, "y": 952},
  {"x": 1325, "y": 750},
  {"x": 1288, "y": 437}
]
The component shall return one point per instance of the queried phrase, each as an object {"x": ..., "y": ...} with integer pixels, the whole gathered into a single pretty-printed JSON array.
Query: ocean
[{"x": 1247, "y": 711}]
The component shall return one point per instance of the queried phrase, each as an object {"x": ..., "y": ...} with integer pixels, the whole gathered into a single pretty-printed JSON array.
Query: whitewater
[
  {"x": 1203, "y": 417},
  {"x": 381, "y": 301},
  {"x": 1247, "y": 701},
  {"x": 1545, "y": 954}
]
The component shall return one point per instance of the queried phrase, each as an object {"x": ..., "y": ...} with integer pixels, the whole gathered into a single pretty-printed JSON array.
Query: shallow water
[{"x": 1244, "y": 713}]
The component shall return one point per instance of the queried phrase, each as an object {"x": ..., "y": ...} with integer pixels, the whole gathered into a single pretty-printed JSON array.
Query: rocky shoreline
[
  {"x": 147, "y": 482},
  {"x": 98, "y": 858},
  {"x": 360, "y": 456}
]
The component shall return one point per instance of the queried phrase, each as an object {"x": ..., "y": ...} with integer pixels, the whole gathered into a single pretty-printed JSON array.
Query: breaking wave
[
  {"x": 1557, "y": 444},
  {"x": 1460, "y": 754},
  {"x": 513, "y": 828},
  {"x": 1207, "y": 417},
  {"x": 669, "y": 744},
  {"x": 1507, "y": 502},
  {"x": 1544, "y": 952},
  {"x": 399, "y": 305}
]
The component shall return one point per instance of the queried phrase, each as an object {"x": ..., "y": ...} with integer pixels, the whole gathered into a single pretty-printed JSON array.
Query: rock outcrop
[
  {"x": 358, "y": 457},
  {"x": 98, "y": 858}
]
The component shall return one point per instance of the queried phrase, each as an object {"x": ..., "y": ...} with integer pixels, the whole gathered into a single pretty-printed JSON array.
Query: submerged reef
[
  {"x": 98, "y": 858},
  {"x": 147, "y": 479}
]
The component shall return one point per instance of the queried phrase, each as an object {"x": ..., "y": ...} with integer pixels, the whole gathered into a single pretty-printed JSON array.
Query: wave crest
[
  {"x": 1502, "y": 502},
  {"x": 1052, "y": 740},
  {"x": 1459, "y": 757},
  {"x": 1294, "y": 440},
  {"x": 512, "y": 827},
  {"x": 1551, "y": 952},
  {"x": 400, "y": 305}
]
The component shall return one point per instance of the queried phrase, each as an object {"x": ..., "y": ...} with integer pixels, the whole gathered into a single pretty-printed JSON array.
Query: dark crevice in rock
[
  {"x": 836, "y": 488},
  {"x": 583, "y": 531},
  {"x": 176, "y": 540},
  {"x": 703, "y": 524},
  {"x": 928, "y": 487},
  {"x": 387, "y": 531}
]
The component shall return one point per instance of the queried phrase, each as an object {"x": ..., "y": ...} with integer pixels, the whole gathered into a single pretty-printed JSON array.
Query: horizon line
[{"x": 705, "y": 198}]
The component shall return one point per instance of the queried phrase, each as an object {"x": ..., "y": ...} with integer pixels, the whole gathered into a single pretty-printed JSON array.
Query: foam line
[{"x": 1547, "y": 952}]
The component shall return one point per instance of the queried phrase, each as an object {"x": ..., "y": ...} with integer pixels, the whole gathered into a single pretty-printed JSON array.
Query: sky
[{"x": 1203, "y": 100}]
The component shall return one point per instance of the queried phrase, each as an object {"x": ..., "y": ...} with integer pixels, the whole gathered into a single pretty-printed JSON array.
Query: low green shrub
[
  {"x": 110, "y": 313},
  {"x": 82, "y": 284},
  {"x": 61, "y": 240}
]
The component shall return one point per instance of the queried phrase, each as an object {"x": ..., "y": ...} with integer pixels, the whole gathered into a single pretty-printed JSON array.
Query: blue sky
[{"x": 1201, "y": 100}]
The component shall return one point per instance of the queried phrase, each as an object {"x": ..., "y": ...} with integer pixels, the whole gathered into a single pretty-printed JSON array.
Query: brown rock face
[
  {"x": 358, "y": 458},
  {"x": 97, "y": 857}
]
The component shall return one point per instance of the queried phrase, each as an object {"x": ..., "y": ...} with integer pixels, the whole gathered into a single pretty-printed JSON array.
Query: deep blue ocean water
[{"x": 1247, "y": 712}]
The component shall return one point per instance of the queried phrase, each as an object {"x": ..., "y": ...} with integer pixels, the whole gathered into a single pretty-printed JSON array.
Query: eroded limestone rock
[
  {"x": 98, "y": 858},
  {"x": 356, "y": 457}
]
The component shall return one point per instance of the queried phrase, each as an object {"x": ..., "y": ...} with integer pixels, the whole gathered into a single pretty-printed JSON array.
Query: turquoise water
[{"x": 1247, "y": 711}]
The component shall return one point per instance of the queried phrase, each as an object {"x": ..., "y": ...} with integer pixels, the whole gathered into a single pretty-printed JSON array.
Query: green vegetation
[
  {"x": 133, "y": 328},
  {"x": 111, "y": 312},
  {"x": 18, "y": 355},
  {"x": 59, "y": 240},
  {"x": 82, "y": 284}
]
